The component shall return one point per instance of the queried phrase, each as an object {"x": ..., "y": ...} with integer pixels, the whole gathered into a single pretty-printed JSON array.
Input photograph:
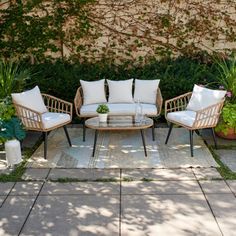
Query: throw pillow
[
  {"x": 31, "y": 99},
  {"x": 203, "y": 97},
  {"x": 120, "y": 91},
  {"x": 146, "y": 91},
  {"x": 93, "y": 91}
]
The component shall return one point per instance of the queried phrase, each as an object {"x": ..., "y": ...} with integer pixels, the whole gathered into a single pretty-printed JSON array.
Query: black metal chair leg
[
  {"x": 45, "y": 139},
  {"x": 95, "y": 142},
  {"x": 144, "y": 144},
  {"x": 214, "y": 137},
  {"x": 153, "y": 130},
  {"x": 197, "y": 131},
  {"x": 191, "y": 141},
  {"x": 169, "y": 132},
  {"x": 67, "y": 135},
  {"x": 84, "y": 130}
]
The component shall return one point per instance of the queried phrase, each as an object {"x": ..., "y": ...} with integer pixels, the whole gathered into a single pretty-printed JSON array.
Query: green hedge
[{"x": 177, "y": 75}]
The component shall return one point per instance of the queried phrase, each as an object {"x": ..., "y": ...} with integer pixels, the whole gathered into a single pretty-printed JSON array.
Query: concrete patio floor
[{"x": 190, "y": 201}]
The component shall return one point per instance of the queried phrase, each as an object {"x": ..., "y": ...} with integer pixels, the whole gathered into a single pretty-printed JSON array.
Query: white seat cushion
[
  {"x": 183, "y": 117},
  {"x": 31, "y": 99},
  {"x": 52, "y": 119},
  {"x": 93, "y": 91},
  {"x": 119, "y": 109},
  {"x": 120, "y": 91},
  {"x": 203, "y": 97},
  {"x": 145, "y": 91}
]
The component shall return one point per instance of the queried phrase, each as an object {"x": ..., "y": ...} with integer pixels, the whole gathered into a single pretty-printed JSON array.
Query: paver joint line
[
  {"x": 209, "y": 206},
  {"x": 8, "y": 194},
  {"x": 31, "y": 209}
]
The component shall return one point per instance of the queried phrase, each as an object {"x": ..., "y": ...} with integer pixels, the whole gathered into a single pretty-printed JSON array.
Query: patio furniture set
[{"x": 195, "y": 110}]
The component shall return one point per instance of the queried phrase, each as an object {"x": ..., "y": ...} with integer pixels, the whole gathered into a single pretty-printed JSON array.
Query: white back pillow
[
  {"x": 120, "y": 91},
  {"x": 203, "y": 97},
  {"x": 145, "y": 91},
  {"x": 93, "y": 91},
  {"x": 31, "y": 99}
]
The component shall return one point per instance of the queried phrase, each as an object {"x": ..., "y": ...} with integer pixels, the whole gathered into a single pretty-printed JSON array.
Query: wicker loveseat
[{"x": 151, "y": 110}]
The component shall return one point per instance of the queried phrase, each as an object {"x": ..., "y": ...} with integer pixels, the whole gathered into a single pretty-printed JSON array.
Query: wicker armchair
[
  {"x": 176, "y": 112},
  {"x": 58, "y": 113}
]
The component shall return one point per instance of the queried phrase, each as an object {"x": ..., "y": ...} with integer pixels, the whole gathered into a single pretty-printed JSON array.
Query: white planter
[
  {"x": 102, "y": 117},
  {"x": 13, "y": 152}
]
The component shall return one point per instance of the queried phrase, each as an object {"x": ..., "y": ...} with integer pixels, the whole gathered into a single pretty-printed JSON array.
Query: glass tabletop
[{"x": 119, "y": 122}]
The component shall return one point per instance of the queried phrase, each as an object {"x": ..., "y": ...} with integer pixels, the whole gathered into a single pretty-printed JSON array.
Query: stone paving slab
[
  {"x": 224, "y": 209},
  {"x": 105, "y": 188},
  {"x": 206, "y": 173},
  {"x": 13, "y": 214},
  {"x": 228, "y": 157},
  {"x": 161, "y": 187},
  {"x": 232, "y": 185},
  {"x": 214, "y": 186},
  {"x": 26, "y": 188},
  {"x": 88, "y": 174},
  {"x": 73, "y": 215},
  {"x": 177, "y": 215},
  {"x": 158, "y": 174},
  {"x": 35, "y": 174},
  {"x": 2, "y": 198},
  {"x": 5, "y": 188}
]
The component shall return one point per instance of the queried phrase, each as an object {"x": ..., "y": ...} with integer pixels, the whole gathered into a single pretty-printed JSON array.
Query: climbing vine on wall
[{"x": 116, "y": 30}]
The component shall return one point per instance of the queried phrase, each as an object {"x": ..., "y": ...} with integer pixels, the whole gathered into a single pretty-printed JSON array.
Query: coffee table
[{"x": 119, "y": 123}]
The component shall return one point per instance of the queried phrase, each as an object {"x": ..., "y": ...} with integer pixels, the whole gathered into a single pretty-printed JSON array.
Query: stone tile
[
  {"x": 73, "y": 215},
  {"x": 232, "y": 185},
  {"x": 206, "y": 173},
  {"x": 35, "y": 174},
  {"x": 214, "y": 186},
  {"x": 93, "y": 188},
  {"x": 2, "y": 198},
  {"x": 5, "y": 188},
  {"x": 87, "y": 174},
  {"x": 158, "y": 174},
  {"x": 228, "y": 157},
  {"x": 160, "y": 187},
  {"x": 13, "y": 214},
  {"x": 224, "y": 209},
  {"x": 177, "y": 215},
  {"x": 26, "y": 188}
]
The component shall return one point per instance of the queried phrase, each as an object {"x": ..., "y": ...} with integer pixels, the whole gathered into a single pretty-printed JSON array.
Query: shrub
[{"x": 177, "y": 75}]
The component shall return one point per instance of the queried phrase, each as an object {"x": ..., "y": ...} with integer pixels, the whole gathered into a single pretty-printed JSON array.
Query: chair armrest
[
  {"x": 209, "y": 116},
  {"x": 78, "y": 100},
  {"x": 178, "y": 103},
  {"x": 159, "y": 101},
  {"x": 31, "y": 119},
  {"x": 55, "y": 104}
]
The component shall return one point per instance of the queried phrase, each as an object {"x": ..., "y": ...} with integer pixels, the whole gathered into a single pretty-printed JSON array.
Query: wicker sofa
[{"x": 85, "y": 111}]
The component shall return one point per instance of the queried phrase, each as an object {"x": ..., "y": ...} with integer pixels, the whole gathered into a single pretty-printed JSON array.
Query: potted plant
[
  {"x": 102, "y": 111},
  {"x": 11, "y": 131},
  {"x": 226, "y": 127}
]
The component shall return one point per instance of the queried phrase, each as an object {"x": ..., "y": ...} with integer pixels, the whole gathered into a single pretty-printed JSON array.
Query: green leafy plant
[
  {"x": 11, "y": 129},
  {"x": 102, "y": 109},
  {"x": 227, "y": 81},
  {"x": 12, "y": 77},
  {"x": 10, "y": 126},
  {"x": 228, "y": 119},
  {"x": 227, "y": 77}
]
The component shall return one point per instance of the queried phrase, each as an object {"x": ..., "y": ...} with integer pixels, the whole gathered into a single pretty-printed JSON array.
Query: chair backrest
[
  {"x": 203, "y": 97},
  {"x": 31, "y": 99}
]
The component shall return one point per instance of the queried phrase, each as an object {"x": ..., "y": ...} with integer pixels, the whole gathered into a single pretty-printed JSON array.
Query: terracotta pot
[{"x": 231, "y": 134}]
